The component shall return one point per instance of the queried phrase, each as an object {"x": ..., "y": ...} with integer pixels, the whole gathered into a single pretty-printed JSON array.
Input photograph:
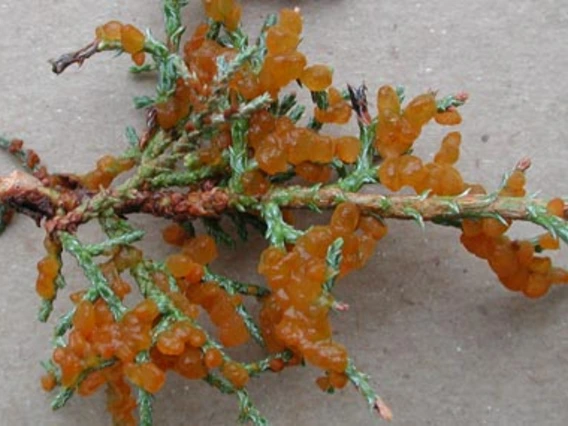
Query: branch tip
[{"x": 383, "y": 410}]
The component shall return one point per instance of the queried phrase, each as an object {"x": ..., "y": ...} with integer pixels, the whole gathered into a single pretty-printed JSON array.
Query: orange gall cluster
[
  {"x": 515, "y": 262},
  {"x": 108, "y": 168},
  {"x": 228, "y": 12},
  {"x": 279, "y": 144},
  {"x": 398, "y": 129},
  {"x": 296, "y": 315},
  {"x": 131, "y": 39},
  {"x": 48, "y": 269}
]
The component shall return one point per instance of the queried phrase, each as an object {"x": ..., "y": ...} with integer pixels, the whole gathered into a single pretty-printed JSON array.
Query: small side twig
[{"x": 78, "y": 57}]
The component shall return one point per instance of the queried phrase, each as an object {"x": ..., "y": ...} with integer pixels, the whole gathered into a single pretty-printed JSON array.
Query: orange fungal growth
[
  {"x": 420, "y": 110},
  {"x": 548, "y": 242},
  {"x": 347, "y": 148},
  {"x": 451, "y": 117},
  {"x": 338, "y": 112},
  {"x": 174, "y": 234},
  {"x": 281, "y": 41},
  {"x": 146, "y": 376},
  {"x": 132, "y": 39},
  {"x": 515, "y": 184},
  {"x": 226, "y": 11},
  {"x": 179, "y": 264},
  {"x": 213, "y": 358},
  {"x": 170, "y": 344},
  {"x": 316, "y": 77},
  {"x": 197, "y": 338},
  {"x": 314, "y": 173},
  {"x": 84, "y": 318},
  {"x": 291, "y": 20},
  {"x": 48, "y": 270},
  {"x": 556, "y": 207},
  {"x": 48, "y": 382},
  {"x": 255, "y": 182},
  {"x": 167, "y": 114},
  {"x": 236, "y": 374},
  {"x": 146, "y": 311},
  {"x": 345, "y": 219},
  {"x": 201, "y": 249},
  {"x": 338, "y": 380},
  {"x": 139, "y": 58},
  {"x": 91, "y": 383},
  {"x": 388, "y": 101},
  {"x": 372, "y": 227},
  {"x": 196, "y": 39},
  {"x": 109, "y": 32},
  {"x": 449, "y": 151},
  {"x": 228, "y": 152},
  {"x": 280, "y": 69},
  {"x": 107, "y": 169},
  {"x": 388, "y": 174},
  {"x": 327, "y": 355}
]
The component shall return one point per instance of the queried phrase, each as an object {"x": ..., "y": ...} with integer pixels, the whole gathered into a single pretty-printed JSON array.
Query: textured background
[{"x": 444, "y": 342}]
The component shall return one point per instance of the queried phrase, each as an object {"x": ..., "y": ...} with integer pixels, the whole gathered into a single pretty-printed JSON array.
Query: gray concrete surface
[{"x": 442, "y": 340}]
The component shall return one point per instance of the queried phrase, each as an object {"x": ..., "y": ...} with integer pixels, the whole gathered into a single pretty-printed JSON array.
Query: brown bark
[
  {"x": 67, "y": 209},
  {"x": 406, "y": 206}
]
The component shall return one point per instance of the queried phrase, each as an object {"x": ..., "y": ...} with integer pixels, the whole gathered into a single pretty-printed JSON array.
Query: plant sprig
[{"x": 178, "y": 175}]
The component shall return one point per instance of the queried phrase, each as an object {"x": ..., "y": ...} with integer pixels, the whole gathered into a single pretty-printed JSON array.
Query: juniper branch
[
  {"x": 35, "y": 200},
  {"x": 72, "y": 245}
]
